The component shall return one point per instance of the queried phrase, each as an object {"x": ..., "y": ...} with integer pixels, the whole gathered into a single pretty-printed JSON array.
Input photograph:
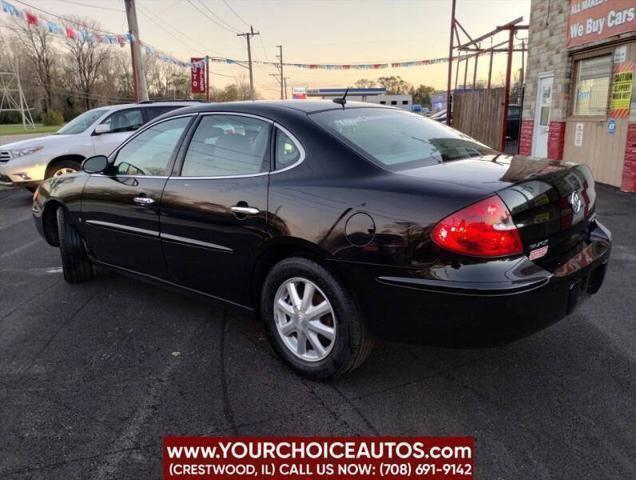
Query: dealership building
[{"x": 580, "y": 97}]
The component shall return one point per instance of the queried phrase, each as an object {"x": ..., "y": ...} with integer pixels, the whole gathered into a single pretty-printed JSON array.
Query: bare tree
[
  {"x": 87, "y": 59},
  {"x": 365, "y": 83},
  {"x": 37, "y": 46},
  {"x": 165, "y": 80}
]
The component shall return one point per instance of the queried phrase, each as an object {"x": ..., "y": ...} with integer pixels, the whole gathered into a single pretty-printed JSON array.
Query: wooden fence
[{"x": 479, "y": 114}]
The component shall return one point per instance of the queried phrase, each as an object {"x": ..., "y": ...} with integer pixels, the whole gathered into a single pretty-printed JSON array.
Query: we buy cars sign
[
  {"x": 592, "y": 20},
  {"x": 198, "y": 75}
]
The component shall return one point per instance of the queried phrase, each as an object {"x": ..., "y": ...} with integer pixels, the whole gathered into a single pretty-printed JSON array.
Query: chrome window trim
[
  {"x": 299, "y": 146},
  {"x": 247, "y": 175},
  {"x": 128, "y": 176},
  {"x": 293, "y": 138},
  {"x": 218, "y": 177},
  {"x": 119, "y": 226}
]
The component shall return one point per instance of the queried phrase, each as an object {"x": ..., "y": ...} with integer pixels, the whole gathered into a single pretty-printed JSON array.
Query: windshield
[
  {"x": 399, "y": 140},
  {"x": 82, "y": 122}
]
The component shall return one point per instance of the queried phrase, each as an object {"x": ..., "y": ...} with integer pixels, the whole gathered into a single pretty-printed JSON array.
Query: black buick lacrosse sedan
[{"x": 336, "y": 224}]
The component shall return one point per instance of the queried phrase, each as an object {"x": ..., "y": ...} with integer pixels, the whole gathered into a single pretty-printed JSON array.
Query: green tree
[
  {"x": 422, "y": 94},
  {"x": 395, "y": 85},
  {"x": 365, "y": 83}
]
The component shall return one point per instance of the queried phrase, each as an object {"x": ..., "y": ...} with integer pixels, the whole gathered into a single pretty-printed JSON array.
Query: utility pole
[
  {"x": 449, "y": 100},
  {"x": 282, "y": 82},
  {"x": 248, "y": 36},
  {"x": 207, "y": 78},
  {"x": 139, "y": 78},
  {"x": 285, "y": 86}
]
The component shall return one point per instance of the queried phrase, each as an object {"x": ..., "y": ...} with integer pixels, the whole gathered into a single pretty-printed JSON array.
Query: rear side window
[
  {"x": 287, "y": 152},
  {"x": 225, "y": 145},
  {"x": 149, "y": 153},
  {"x": 154, "y": 112},
  {"x": 125, "y": 120},
  {"x": 399, "y": 140}
]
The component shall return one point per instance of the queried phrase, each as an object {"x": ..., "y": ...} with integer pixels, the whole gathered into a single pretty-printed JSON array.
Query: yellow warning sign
[{"x": 621, "y": 90}]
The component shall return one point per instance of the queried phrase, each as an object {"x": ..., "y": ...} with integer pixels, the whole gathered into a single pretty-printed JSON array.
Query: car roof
[{"x": 263, "y": 106}]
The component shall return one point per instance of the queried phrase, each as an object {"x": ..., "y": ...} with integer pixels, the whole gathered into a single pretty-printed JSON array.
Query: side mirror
[
  {"x": 102, "y": 128},
  {"x": 96, "y": 164}
]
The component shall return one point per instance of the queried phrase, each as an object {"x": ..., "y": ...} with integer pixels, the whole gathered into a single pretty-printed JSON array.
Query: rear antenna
[{"x": 342, "y": 101}]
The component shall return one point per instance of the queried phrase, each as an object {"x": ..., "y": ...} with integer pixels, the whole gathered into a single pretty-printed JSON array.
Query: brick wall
[
  {"x": 547, "y": 53},
  {"x": 556, "y": 140},
  {"x": 525, "y": 137},
  {"x": 629, "y": 169}
]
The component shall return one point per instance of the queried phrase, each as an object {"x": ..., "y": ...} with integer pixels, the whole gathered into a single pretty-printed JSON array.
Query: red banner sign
[
  {"x": 334, "y": 458},
  {"x": 198, "y": 75},
  {"x": 592, "y": 20}
]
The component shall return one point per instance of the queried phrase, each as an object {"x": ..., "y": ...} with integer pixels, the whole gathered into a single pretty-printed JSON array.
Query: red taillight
[{"x": 484, "y": 229}]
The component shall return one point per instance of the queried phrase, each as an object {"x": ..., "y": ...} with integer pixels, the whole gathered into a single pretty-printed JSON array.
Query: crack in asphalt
[
  {"x": 228, "y": 411},
  {"x": 30, "y": 299},
  {"x": 129, "y": 436},
  {"x": 24, "y": 371},
  {"x": 349, "y": 402},
  {"x": 313, "y": 393}
]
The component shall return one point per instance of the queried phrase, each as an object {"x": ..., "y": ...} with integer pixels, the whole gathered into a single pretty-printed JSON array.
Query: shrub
[{"x": 52, "y": 117}]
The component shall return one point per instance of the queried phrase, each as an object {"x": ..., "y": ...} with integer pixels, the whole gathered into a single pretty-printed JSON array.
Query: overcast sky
[{"x": 322, "y": 31}]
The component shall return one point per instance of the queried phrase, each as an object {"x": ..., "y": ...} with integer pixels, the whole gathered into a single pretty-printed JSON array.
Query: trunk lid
[{"x": 552, "y": 203}]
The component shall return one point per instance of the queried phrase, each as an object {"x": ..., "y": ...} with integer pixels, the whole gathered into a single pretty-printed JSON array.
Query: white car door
[{"x": 121, "y": 124}]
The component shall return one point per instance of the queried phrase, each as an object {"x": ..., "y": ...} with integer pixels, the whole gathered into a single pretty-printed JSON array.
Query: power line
[
  {"x": 167, "y": 26},
  {"x": 206, "y": 15},
  {"x": 235, "y": 13},
  {"x": 92, "y": 6},
  {"x": 66, "y": 19},
  {"x": 190, "y": 43},
  {"x": 217, "y": 16}
]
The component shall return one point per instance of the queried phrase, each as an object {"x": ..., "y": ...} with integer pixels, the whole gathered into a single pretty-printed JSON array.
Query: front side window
[
  {"x": 592, "y": 85},
  {"x": 80, "y": 123},
  {"x": 149, "y": 153},
  {"x": 287, "y": 152},
  {"x": 225, "y": 145},
  {"x": 124, "y": 121},
  {"x": 398, "y": 140}
]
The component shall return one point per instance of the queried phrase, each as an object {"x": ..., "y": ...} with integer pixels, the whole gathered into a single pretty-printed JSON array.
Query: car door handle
[
  {"x": 245, "y": 210},
  {"x": 143, "y": 201}
]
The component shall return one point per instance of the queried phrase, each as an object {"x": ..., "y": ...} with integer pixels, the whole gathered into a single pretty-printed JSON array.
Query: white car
[{"x": 95, "y": 132}]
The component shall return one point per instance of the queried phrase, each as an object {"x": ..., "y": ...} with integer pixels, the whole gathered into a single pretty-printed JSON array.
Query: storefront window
[{"x": 592, "y": 85}]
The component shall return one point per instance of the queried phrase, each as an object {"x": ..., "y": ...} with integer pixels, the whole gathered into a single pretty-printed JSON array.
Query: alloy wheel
[{"x": 305, "y": 319}]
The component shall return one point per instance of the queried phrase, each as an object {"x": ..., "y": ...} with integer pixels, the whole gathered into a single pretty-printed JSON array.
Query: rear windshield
[{"x": 399, "y": 140}]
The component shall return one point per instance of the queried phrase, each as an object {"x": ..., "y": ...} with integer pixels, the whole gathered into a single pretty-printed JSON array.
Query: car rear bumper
[{"x": 476, "y": 305}]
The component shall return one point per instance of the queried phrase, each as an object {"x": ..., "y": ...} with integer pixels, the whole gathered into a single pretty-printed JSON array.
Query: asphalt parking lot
[{"x": 93, "y": 375}]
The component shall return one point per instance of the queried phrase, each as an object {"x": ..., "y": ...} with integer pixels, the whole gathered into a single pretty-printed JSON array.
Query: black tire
[
  {"x": 352, "y": 344},
  {"x": 76, "y": 265},
  {"x": 72, "y": 164}
]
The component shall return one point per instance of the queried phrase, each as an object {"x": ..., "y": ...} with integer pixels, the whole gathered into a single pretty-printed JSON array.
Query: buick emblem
[{"x": 575, "y": 202}]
